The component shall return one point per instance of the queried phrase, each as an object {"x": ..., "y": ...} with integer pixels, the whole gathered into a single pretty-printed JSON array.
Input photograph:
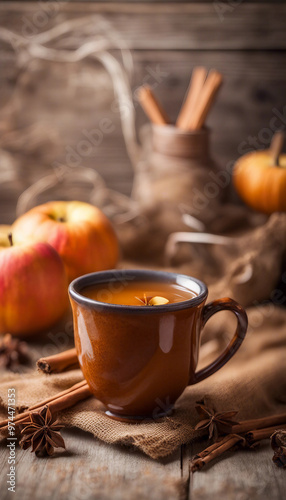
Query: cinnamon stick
[
  {"x": 207, "y": 97},
  {"x": 60, "y": 362},
  {"x": 253, "y": 430},
  {"x": 69, "y": 399},
  {"x": 214, "y": 451},
  {"x": 259, "y": 434},
  {"x": 152, "y": 107},
  {"x": 60, "y": 401},
  {"x": 257, "y": 423},
  {"x": 59, "y": 395},
  {"x": 196, "y": 84}
]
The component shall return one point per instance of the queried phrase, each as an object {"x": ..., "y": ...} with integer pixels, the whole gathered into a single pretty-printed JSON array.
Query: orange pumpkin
[{"x": 261, "y": 182}]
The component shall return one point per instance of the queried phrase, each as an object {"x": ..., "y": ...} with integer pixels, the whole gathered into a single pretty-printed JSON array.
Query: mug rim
[{"x": 106, "y": 276}]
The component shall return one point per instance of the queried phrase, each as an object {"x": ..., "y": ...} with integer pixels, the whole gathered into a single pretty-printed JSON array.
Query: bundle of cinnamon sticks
[
  {"x": 199, "y": 99},
  {"x": 58, "y": 402},
  {"x": 248, "y": 434}
]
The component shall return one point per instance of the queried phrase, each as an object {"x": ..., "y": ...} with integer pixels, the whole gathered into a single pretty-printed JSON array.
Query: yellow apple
[
  {"x": 80, "y": 233},
  {"x": 33, "y": 288}
]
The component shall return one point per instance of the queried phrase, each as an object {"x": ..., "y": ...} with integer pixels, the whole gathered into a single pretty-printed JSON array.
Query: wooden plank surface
[
  {"x": 76, "y": 97},
  {"x": 244, "y": 474},
  {"x": 92, "y": 470},
  {"x": 171, "y": 26},
  {"x": 154, "y": 1},
  {"x": 168, "y": 41}
]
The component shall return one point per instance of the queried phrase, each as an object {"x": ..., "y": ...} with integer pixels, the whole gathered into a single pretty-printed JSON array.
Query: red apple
[
  {"x": 33, "y": 288},
  {"x": 4, "y": 231},
  {"x": 80, "y": 233}
]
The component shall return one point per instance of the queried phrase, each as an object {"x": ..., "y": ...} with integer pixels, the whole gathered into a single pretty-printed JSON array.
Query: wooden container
[{"x": 176, "y": 169}]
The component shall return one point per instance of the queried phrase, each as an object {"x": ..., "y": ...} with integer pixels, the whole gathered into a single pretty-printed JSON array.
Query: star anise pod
[
  {"x": 41, "y": 433},
  {"x": 278, "y": 443},
  {"x": 13, "y": 352},
  {"x": 212, "y": 420},
  {"x": 152, "y": 301}
]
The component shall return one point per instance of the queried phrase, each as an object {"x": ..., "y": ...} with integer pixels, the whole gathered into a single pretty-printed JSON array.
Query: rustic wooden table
[{"x": 92, "y": 470}]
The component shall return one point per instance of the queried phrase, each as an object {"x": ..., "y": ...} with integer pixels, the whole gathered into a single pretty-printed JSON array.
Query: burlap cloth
[{"x": 253, "y": 382}]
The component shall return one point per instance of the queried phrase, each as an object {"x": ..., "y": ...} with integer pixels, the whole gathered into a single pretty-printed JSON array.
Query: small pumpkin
[{"x": 260, "y": 178}]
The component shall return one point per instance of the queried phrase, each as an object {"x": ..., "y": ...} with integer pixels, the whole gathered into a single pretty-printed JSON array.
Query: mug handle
[{"x": 209, "y": 310}]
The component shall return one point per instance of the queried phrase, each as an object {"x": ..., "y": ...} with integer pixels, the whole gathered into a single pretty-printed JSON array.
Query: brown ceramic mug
[{"x": 138, "y": 360}]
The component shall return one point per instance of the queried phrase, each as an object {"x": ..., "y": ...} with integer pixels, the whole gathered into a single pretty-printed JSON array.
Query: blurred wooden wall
[{"x": 245, "y": 41}]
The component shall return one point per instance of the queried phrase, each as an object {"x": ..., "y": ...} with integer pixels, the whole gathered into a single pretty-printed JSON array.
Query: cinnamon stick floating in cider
[
  {"x": 152, "y": 107},
  {"x": 60, "y": 362},
  {"x": 207, "y": 97},
  {"x": 196, "y": 84}
]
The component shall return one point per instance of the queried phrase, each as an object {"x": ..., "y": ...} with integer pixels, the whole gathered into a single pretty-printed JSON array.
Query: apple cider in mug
[
  {"x": 134, "y": 355},
  {"x": 139, "y": 293}
]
